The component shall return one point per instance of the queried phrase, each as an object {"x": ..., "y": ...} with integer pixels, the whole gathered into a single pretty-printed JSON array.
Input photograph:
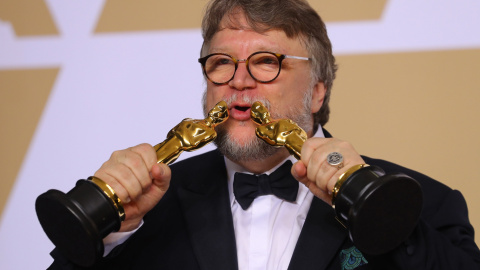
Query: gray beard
[{"x": 255, "y": 149}]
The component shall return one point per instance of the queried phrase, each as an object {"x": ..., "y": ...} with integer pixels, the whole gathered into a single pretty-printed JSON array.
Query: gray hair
[{"x": 296, "y": 18}]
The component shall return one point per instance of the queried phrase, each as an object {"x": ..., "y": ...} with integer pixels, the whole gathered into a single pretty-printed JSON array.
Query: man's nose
[{"x": 242, "y": 80}]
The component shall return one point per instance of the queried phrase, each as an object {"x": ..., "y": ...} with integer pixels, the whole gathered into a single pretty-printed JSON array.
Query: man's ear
[{"x": 318, "y": 96}]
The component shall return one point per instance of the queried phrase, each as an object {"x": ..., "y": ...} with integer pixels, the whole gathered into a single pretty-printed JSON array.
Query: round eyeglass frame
[{"x": 279, "y": 56}]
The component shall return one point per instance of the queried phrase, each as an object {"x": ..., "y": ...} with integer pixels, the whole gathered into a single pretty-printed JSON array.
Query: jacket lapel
[
  {"x": 321, "y": 238},
  {"x": 206, "y": 206}
]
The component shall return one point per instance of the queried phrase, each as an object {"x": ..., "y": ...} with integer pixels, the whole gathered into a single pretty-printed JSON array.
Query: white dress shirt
[{"x": 266, "y": 233}]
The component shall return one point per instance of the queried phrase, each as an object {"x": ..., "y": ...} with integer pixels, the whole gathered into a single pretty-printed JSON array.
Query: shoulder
[
  {"x": 436, "y": 195},
  {"x": 199, "y": 168},
  {"x": 425, "y": 181},
  {"x": 199, "y": 163}
]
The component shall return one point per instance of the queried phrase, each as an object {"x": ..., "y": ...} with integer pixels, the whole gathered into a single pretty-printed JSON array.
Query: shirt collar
[{"x": 233, "y": 167}]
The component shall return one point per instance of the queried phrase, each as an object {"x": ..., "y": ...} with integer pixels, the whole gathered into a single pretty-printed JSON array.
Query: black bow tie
[{"x": 246, "y": 187}]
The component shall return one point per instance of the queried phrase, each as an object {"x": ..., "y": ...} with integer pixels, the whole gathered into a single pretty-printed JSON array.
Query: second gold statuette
[{"x": 380, "y": 210}]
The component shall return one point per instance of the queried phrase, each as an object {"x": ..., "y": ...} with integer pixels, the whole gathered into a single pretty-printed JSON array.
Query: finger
[
  {"x": 326, "y": 175},
  {"x": 118, "y": 188},
  {"x": 143, "y": 157},
  {"x": 131, "y": 168},
  {"x": 299, "y": 171},
  {"x": 119, "y": 166},
  {"x": 309, "y": 146},
  {"x": 314, "y": 156},
  {"x": 161, "y": 175},
  {"x": 316, "y": 169},
  {"x": 128, "y": 180}
]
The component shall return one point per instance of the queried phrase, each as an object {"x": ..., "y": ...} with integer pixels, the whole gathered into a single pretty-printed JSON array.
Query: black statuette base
[
  {"x": 379, "y": 210},
  {"x": 77, "y": 222}
]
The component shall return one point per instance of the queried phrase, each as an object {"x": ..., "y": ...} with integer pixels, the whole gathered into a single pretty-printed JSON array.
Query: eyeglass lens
[{"x": 263, "y": 67}]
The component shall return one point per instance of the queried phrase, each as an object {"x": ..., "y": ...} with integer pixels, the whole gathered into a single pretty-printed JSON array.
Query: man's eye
[
  {"x": 223, "y": 61},
  {"x": 266, "y": 61},
  {"x": 269, "y": 60}
]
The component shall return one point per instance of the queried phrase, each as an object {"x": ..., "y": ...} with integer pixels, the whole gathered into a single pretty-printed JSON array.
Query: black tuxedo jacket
[{"x": 192, "y": 228}]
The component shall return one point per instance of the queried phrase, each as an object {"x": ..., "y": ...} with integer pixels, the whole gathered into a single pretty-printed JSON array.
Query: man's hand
[
  {"x": 313, "y": 169},
  {"x": 137, "y": 180}
]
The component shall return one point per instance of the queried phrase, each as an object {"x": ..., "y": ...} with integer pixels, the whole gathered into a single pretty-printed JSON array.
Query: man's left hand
[{"x": 316, "y": 173}]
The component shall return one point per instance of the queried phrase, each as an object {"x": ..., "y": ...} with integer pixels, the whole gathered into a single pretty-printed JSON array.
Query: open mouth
[
  {"x": 242, "y": 108},
  {"x": 240, "y": 112}
]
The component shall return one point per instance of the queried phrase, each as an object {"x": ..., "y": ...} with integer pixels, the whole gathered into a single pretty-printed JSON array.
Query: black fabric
[
  {"x": 192, "y": 228},
  {"x": 246, "y": 187}
]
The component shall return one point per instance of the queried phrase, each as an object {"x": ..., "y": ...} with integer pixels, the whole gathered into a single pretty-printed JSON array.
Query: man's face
[{"x": 285, "y": 95}]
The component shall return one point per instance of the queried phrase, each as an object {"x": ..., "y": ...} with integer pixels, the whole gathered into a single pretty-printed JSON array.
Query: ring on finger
[{"x": 335, "y": 159}]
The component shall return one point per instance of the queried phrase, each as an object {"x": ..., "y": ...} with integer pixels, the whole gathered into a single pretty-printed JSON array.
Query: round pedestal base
[
  {"x": 379, "y": 210},
  {"x": 77, "y": 222}
]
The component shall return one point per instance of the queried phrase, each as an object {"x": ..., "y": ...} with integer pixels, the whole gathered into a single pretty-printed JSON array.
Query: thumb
[
  {"x": 299, "y": 171},
  {"x": 161, "y": 175}
]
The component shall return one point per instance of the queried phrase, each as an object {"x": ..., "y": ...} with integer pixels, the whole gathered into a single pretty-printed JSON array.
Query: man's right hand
[{"x": 137, "y": 180}]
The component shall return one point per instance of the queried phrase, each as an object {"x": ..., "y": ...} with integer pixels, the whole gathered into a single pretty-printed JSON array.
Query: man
[{"x": 188, "y": 216}]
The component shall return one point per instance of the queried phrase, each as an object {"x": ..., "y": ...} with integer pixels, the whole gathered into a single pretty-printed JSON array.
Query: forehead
[
  {"x": 235, "y": 31},
  {"x": 247, "y": 41},
  {"x": 226, "y": 40}
]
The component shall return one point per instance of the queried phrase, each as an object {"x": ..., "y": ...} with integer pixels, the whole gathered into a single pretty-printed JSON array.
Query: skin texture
[
  {"x": 140, "y": 182},
  {"x": 283, "y": 93}
]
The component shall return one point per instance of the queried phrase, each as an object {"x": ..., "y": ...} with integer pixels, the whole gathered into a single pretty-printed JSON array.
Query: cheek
[
  {"x": 293, "y": 90},
  {"x": 292, "y": 98},
  {"x": 211, "y": 98}
]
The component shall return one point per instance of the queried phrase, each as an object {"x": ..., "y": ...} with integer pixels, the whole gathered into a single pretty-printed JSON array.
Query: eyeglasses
[{"x": 263, "y": 66}]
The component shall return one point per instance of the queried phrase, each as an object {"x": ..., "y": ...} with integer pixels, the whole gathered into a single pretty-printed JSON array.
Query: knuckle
[
  {"x": 309, "y": 143},
  {"x": 116, "y": 154},
  {"x": 345, "y": 145},
  {"x": 316, "y": 158},
  {"x": 121, "y": 192},
  {"x": 145, "y": 182},
  {"x": 133, "y": 189},
  {"x": 143, "y": 147},
  {"x": 113, "y": 183},
  {"x": 147, "y": 152},
  {"x": 135, "y": 161},
  {"x": 331, "y": 184},
  {"x": 124, "y": 174}
]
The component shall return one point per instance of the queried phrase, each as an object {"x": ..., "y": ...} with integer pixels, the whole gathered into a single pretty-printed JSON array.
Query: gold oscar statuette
[
  {"x": 191, "y": 134},
  {"x": 380, "y": 210},
  {"x": 281, "y": 132},
  {"x": 77, "y": 222}
]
